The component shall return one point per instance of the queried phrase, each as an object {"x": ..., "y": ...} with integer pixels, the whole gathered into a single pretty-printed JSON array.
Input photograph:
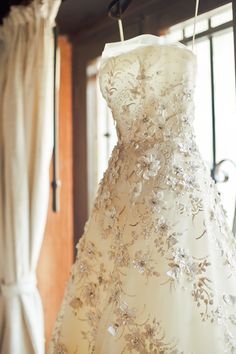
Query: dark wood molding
[
  {"x": 146, "y": 17},
  {"x": 80, "y": 190}
]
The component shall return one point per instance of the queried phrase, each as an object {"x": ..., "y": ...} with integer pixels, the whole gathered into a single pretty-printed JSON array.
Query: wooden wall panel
[{"x": 57, "y": 251}]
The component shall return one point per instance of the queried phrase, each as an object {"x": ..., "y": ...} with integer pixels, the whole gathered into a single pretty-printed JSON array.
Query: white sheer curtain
[{"x": 26, "y": 73}]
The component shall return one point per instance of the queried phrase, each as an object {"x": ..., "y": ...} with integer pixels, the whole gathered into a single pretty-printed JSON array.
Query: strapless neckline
[{"x": 114, "y": 49}]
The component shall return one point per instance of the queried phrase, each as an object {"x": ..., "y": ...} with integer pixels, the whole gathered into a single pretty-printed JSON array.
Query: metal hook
[
  {"x": 117, "y": 8},
  {"x": 115, "y": 11}
]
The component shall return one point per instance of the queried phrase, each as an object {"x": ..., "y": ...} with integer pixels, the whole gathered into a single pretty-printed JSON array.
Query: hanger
[{"x": 116, "y": 10}]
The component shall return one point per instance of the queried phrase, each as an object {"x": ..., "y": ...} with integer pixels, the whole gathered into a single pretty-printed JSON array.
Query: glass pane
[
  {"x": 222, "y": 17},
  {"x": 203, "y": 115},
  {"x": 176, "y": 34},
  {"x": 91, "y": 133},
  {"x": 101, "y": 133},
  {"x": 112, "y": 131},
  {"x": 105, "y": 130},
  {"x": 224, "y": 72},
  {"x": 201, "y": 26}
]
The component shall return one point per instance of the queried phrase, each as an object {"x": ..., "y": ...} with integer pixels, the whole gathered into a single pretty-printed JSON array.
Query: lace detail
[{"x": 155, "y": 268}]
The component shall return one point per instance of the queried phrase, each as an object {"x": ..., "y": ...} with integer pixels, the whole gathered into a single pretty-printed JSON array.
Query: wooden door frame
[{"x": 153, "y": 16}]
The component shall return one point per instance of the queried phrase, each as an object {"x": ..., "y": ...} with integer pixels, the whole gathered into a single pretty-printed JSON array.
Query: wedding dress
[{"x": 155, "y": 271}]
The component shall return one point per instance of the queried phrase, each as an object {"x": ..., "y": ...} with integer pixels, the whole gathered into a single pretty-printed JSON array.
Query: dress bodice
[{"x": 149, "y": 87}]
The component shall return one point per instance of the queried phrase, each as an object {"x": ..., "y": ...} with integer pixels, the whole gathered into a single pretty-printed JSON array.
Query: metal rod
[
  {"x": 234, "y": 30},
  {"x": 56, "y": 180},
  {"x": 121, "y": 29},
  {"x": 195, "y": 23},
  {"x": 116, "y": 10},
  {"x": 212, "y": 103}
]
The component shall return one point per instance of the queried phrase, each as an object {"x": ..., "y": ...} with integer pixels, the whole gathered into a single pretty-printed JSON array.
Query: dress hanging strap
[{"x": 195, "y": 21}]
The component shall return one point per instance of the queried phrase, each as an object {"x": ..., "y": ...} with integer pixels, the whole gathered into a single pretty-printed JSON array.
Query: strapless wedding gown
[{"x": 155, "y": 271}]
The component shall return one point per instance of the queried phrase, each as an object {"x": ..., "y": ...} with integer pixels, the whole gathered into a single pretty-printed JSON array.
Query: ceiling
[{"x": 74, "y": 14}]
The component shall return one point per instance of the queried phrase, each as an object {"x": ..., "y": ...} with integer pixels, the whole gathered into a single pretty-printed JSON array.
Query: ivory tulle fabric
[{"x": 156, "y": 267}]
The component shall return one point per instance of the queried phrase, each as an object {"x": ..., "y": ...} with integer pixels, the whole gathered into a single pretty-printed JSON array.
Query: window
[
  {"x": 215, "y": 120},
  {"x": 101, "y": 133}
]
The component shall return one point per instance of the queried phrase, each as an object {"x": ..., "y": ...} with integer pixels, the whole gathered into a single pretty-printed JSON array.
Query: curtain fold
[{"x": 26, "y": 142}]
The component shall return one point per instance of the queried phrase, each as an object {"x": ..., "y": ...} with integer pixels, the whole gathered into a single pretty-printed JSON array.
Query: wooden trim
[
  {"x": 80, "y": 190},
  {"x": 143, "y": 17},
  {"x": 56, "y": 255}
]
